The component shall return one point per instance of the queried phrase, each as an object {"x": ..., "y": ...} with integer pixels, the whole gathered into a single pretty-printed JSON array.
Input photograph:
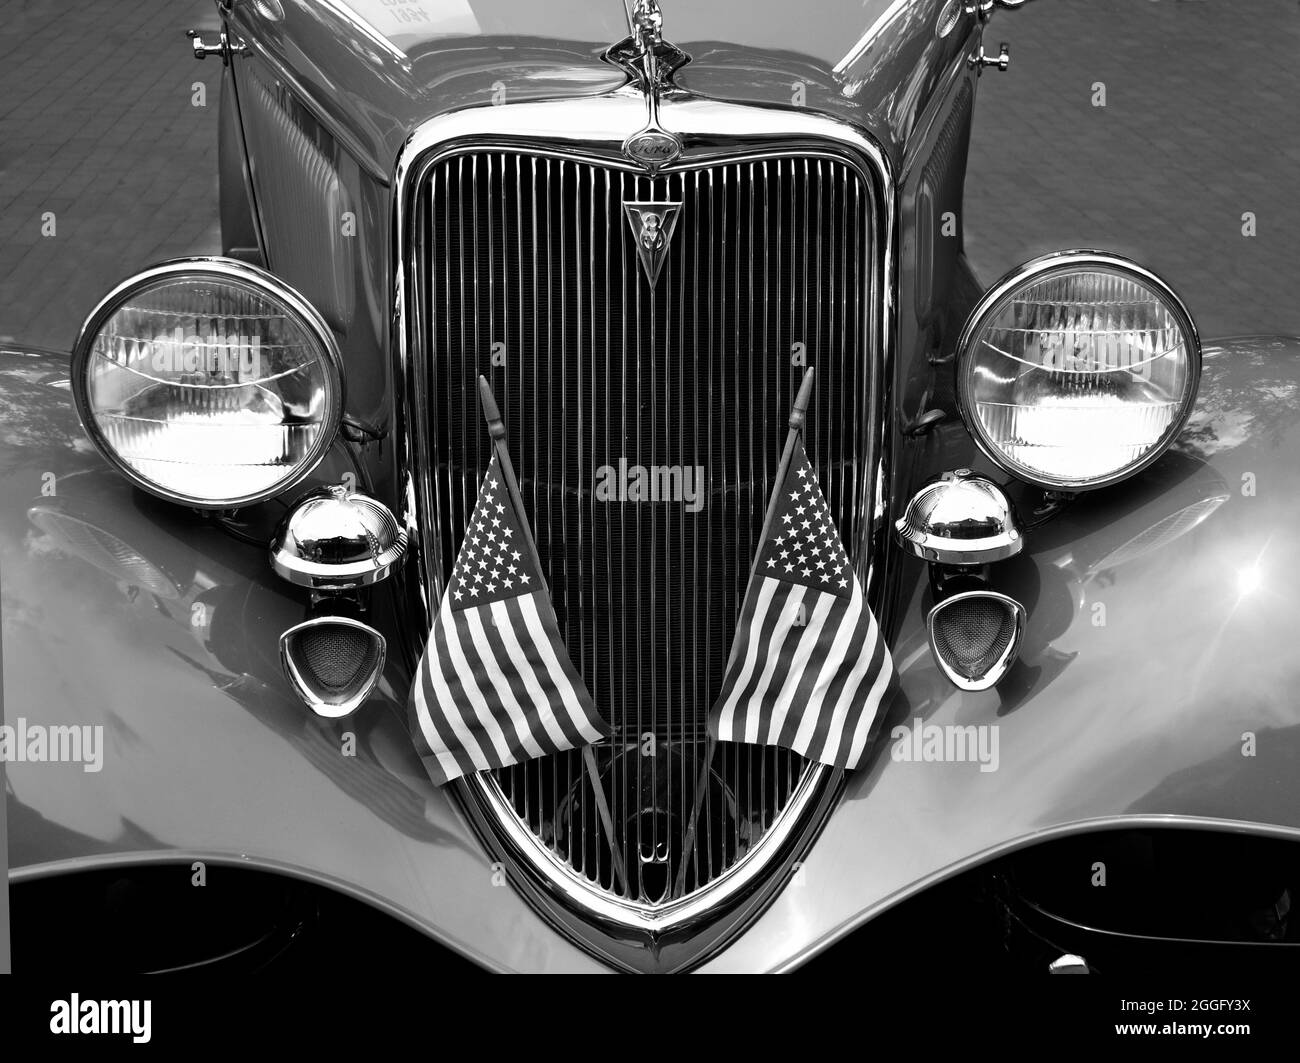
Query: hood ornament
[
  {"x": 652, "y": 226},
  {"x": 651, "y": 62}
]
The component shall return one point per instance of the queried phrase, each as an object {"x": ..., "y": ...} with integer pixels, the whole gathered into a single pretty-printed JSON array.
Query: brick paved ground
[
  {"x": 1201, "y": 123},
  {"x": 97, "y": 125}
]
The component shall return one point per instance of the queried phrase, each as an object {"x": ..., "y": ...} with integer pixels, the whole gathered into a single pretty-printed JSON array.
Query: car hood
[
  {"x": 377, "y": 70},
  {"x": 766, "y": 25}
]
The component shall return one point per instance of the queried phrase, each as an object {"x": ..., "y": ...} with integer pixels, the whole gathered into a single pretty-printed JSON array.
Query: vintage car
[{"x": 227, "y": 523}]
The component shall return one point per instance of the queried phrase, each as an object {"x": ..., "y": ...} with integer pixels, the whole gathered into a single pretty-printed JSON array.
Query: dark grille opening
[{"x": 528, "y": 273}]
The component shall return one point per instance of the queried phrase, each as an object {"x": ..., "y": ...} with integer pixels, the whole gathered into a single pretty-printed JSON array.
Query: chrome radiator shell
[{"x": 579, "y": 142}]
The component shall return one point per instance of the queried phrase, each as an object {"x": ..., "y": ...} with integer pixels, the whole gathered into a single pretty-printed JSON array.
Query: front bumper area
[{"x": 208, "y": 757}]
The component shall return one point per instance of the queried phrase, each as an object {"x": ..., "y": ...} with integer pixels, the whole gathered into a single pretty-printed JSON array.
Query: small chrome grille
[
  {"x": 525, "y": 269},
  {"x": 973, "y": 633},
  {"x": 338, "y": 656}
]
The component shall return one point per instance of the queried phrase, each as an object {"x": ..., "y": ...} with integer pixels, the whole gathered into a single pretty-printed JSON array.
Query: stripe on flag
[
  {"x": 809, "y": 669},
  {"x": 495, "y": 685}
]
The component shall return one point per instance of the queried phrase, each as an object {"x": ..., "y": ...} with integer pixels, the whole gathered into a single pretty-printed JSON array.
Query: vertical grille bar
[
  {"x": 698, "y": 761},
  {"x": 604, "y": 374}
]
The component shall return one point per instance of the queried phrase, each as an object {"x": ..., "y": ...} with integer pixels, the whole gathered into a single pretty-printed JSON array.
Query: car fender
[
  {"x": 1157, "y": 683},
  {"x": 125, "y": 612}
]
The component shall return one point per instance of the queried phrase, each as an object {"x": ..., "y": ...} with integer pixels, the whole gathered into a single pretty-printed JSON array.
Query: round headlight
[
  {"x": 1077, "y": 370},
  {"x": 208, "y": 382}
]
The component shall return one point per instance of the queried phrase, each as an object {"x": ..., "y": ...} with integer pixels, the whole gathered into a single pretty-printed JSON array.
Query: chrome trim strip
[
  {"x": 593, "y": 130},
  {"x": 621, "y": 914},
  {"x": 309, "y": 317},
  {"x": 1078, "y": 260}
]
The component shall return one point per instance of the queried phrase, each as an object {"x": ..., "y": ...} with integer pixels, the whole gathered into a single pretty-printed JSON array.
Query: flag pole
[
  {"x": 798, "y": 415},
  {"x": 497, "y": 430}
]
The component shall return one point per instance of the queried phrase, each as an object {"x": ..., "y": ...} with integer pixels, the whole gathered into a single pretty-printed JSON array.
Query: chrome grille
[{"x": 526, "y": 271}]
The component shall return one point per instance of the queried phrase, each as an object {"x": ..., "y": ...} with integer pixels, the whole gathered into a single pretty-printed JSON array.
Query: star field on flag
[
  {"x": 496, "y": 685},
  {"x": 809, "y": 669}
]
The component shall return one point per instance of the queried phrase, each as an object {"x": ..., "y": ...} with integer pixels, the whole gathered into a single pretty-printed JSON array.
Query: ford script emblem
[{"x": 652, "y": 148}]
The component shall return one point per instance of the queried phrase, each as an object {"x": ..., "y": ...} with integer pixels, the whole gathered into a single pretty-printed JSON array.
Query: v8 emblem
[{"x": 652, "y": 227}]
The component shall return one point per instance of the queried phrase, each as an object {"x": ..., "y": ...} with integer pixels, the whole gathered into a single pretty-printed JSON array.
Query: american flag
[
  {"x": 496, "y": 685},
  {"x": 809, "y": 669}
]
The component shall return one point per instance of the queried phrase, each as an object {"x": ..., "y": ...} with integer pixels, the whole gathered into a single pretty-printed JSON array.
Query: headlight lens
[
  {"x": 1077, "y": 370},
  {"x": 208, "y": 382}
]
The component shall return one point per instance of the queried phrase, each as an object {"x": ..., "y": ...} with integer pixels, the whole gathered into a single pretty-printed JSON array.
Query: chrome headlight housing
[
  {"x": 208, "y": 382},
  {"x": 1077, "y": 369}
]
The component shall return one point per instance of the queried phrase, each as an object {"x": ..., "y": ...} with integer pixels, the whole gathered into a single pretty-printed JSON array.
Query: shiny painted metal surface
[
  {"x": 313, "y": 213},
  {"x": 209, "y": 755},
  {"x": 959, "y": 518},
  {"x": 1137, "y": 722},
  {"x": 725, "y": 149},
  {"x": 337, "y": 140},
  {"x": 373, "y": 90},
  {"x": 337, "y": 539}
]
